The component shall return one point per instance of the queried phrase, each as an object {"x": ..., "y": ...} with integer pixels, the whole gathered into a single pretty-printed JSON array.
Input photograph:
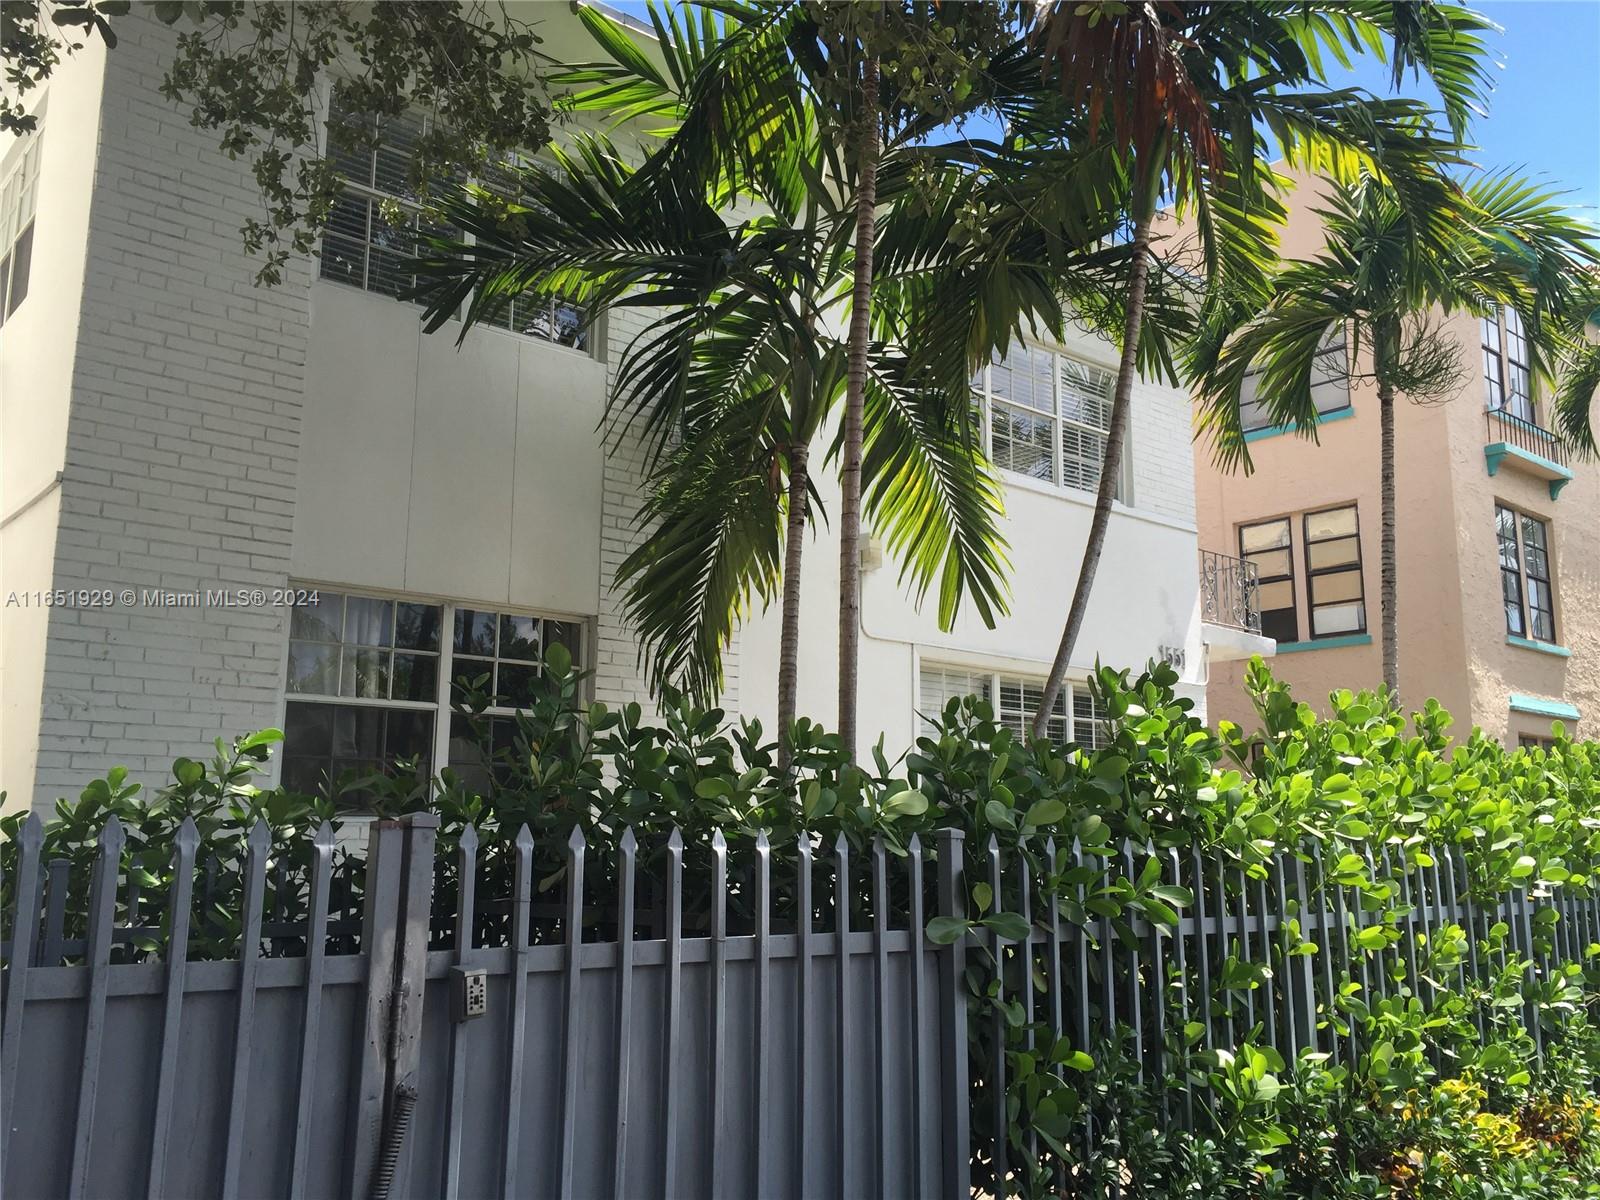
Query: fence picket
[
  {"x": 316, "y": 959},
  {"x": 572, "y": 1019},
  {"x": 517, "y": 1016},
  {"x": 919, "y": 961},
  {"x": 843, "y": 1100},
  {"x": 627, "y": 854},
  {"x": 1158, "y": 989},
  {"x": 1202, "y": 931},
  {"x": 955, "y": 1120},
  {"x": 1291, "y": 1019},
  {"x": 102, "y": 908},
  {"x": 1180, "y": 953},
  {"x": 1325, "y": 950},
  {"x": 1265, "y": 942},
  {"x": 1025, "y": 905},
  {"x": 880, "y": 987},
  {"x": 997, "y": 1083},
  {"x": 802, "y": 904},
  {"x": 179, "y": 904},
  {"x": 763, "y": 1007},
  {"x": 719, "y": 1015},
  {"x": 53, "y": 946},
  {"x": 24, "y": 937},
  {"x": 256, "y": 847},
  {"x": 674, "y": 1013},
  {"x": 466, "y": 935}
]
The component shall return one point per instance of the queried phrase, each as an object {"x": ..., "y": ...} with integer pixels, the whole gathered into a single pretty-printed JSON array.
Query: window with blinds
[
  {"x": 1047, "y": 416},
  {"x": 1076, "y": 717}
]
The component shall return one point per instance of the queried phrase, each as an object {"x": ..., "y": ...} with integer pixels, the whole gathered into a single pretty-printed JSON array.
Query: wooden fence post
[{"x": 954, "y": 1098}]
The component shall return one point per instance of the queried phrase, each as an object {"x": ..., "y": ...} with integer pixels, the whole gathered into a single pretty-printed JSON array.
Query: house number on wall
[{"x": 1173, "y": 656}]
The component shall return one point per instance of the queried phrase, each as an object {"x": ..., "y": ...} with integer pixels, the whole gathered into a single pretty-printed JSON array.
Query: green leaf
[
  {"x": 615, "y": 42},
  {"x": 1009, "y": 925},
  {"x": 982, "y": 896},
  {"x": 1078, "y": 1061},
  {"x": 1111, "y": 766},
  {"x": 998, "y": 814},
  {"x": 908, "y": 803},
  {"x": 713, "y": 789},
  {"x": 945, "y": 930},
  {"x": 1045, "y": 812}
]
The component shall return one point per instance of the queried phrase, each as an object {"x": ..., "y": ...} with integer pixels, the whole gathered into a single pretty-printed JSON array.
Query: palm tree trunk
[
  {"x": 855, "y": 399},
  {"x": 789, "y": 644},
  {"x": 1389, "y": 589},
  {"x": 1109, "y": 470}
]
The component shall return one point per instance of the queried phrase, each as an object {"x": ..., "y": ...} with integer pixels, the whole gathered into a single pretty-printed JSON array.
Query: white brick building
[{"x": 167, "y": 426}]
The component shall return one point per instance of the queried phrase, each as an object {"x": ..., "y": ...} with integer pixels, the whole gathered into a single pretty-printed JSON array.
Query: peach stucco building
[{"x": 1498, "y": 543}]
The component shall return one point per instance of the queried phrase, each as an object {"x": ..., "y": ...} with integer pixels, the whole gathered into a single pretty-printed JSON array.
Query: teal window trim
[
  {"x": 1556, "y": 709},
  {"x": 1496, "y": 452},
  {"x": 1338, "y": 414},
  {"x": 1327, "y": 643},
  {"x": 1542, "y": 647}
]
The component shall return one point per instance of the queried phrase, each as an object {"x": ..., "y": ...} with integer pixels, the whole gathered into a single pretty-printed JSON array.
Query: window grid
[
  {"x": 1269, "y": 545},
  {"x": 372, "y": 681},
  {"x": 363, "y": 249},
  {"x": 1525, "y": 575},
  {"x": 1048, "y": 416},
  {"x": 1507, "y": 376},
  {"x": 1335, "y": 593},
  {"x": 1076, "y": 716},
  {"x": 19, "y": 197},
  {"x": 1330, "y": 386}
]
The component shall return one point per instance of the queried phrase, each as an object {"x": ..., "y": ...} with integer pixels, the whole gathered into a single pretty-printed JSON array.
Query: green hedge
[{"x": 1433, "y": 1107}]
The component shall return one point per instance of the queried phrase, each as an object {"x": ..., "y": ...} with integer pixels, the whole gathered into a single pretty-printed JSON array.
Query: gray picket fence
[
  {"x": 787, "y": 1057},
  {"x": 662, "y": 1020}
]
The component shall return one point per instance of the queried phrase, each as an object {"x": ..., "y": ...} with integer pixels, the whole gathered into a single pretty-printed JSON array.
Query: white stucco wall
[
  {"x": 35, "y": 393},
  {"x": 1145, "y": 595}
]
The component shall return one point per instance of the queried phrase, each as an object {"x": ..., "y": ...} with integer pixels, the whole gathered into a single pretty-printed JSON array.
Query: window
[
  {"x": 1333, "y": 573},
  {"x": 369, "y": 677},
  {"x": 1330, "y": 385},
  {"x": 1525, "y": 575},
  {"x": 1506, "y": 378},
  {"x": 1269, "y": 545},
  {"x": 19, "y": 193},
  {"x": 1048, "y": 416},
  {"x": 1532, "y": 741},
  {"x": 364, "y": 249},
  {"x": 1014, "y": 700}
]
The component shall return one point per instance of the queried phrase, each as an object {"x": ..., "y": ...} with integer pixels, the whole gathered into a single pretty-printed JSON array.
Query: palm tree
[
  {"x": 1379, "y": 281},
  {"x": 1189, "y": 94}
]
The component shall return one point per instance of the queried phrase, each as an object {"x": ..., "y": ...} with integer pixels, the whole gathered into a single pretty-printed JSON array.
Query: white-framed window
[
  {"x": 372, "y": 680},
  {"x": 19, "y": 196},
  {"x": 1330, "y": 385},
  {"x": 362, "y": 248},
  {"x": 1507, "y": 381},
  {"x": 1075, "y": 717},
  {"x": 1046, "y": 415}
]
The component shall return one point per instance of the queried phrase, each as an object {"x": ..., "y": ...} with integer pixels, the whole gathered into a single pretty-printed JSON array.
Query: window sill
[
  {"x": 1542, "y": 647},
  {"x": 1327, "y": 643},
  {"x": 1338, "y": 414}
]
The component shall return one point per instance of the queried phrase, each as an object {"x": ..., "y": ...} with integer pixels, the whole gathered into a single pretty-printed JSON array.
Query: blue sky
[{"x": 1544, "y": 116}]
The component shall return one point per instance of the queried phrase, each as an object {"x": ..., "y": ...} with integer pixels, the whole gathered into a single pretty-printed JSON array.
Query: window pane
[
  {"x": 515, "y": 685},
  {"x": 416, "y": 626},
  {"x": 1278, "y": 594},
  {"x": 1337, "y": 522},
  {"x": 1338, "y": 553},
  {"x": 313, "y": 668},
  {"x": 1083, "y": 454},
  {"x": 21, "y": 268},
  {"x": 1338, "y": 618},
  {"x": 416, "y": 677},
  {"x": 1272, "y": 564},
  {"x": 1268, "y": 535},
  {"x": 519, "y": 638},
  {"x": 1252, "y": 408},
  {"x": 1341, "y": 585},
  {"x": 1088, "y": 719},
  {"x": 319, "y": 622},
  {"x": 1086, "y": 394},
  {"x": 308, "y": 729},
  {"x": 1022, "y": 442},
  {"x": 568, "y": 634},
  {"x": 368, "y": 622},
  {"x": 471, "y": 675},
  {"x": 408, "y": 734},
  {"x": 474, "y": 632},
  {"x": 365, "y": 673},
  {"x": 1279, "y": 624}
]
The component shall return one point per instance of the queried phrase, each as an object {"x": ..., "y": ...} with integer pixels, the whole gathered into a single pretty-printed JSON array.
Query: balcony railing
[
  {"x": 1228, "y": 593},
  {"x": 1503, "y": 425}
]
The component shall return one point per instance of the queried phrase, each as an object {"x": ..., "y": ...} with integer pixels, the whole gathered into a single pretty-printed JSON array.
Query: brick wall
[
  {"x": 1163, "y": 452},
  {"x": 182, "y": 446}
]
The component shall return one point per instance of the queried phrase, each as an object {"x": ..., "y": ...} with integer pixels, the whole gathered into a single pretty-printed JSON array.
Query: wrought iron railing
[
  {"x": 1228, "y": 592},
  {"x": 1503, "y": 425}
]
